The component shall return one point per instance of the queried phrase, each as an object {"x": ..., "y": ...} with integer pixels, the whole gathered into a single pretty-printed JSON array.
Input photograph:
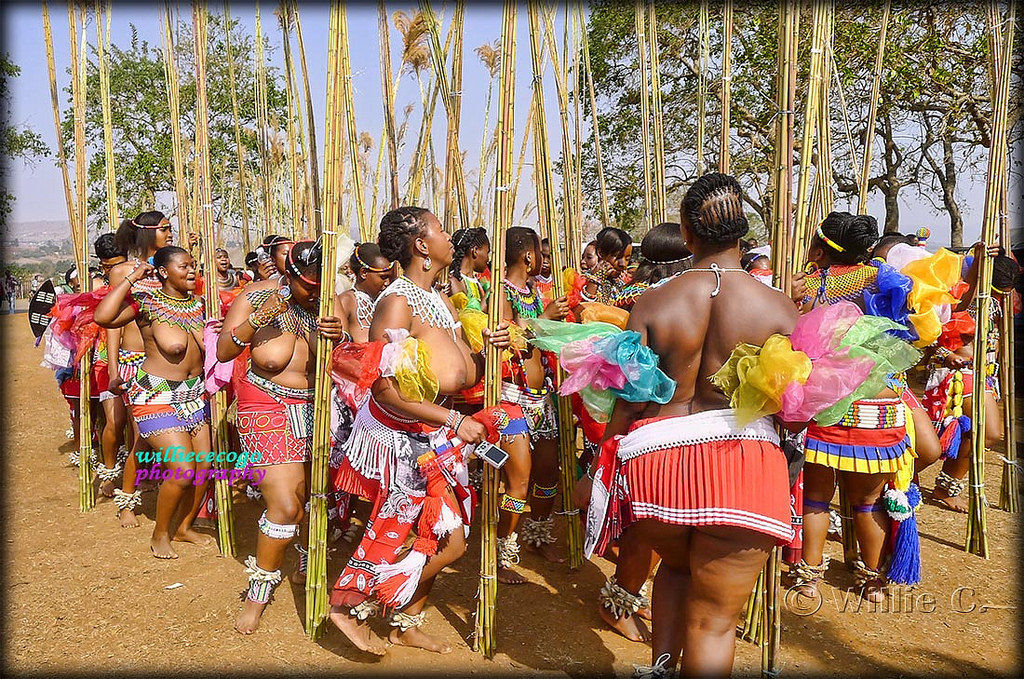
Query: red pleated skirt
[{"x": 736, "y": 482}]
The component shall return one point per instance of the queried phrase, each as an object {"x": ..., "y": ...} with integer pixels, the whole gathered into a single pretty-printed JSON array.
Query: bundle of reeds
[
  {"x": 869, "y": 134},
  {"x": 313, "y": 172},
  {"x": 703, "y": 57},
  {"x": 62, "y": 158},
  {"x": 658, "y": 172},
  {"x": 723, "y": 144},
  {"x": 77, "y": 213},
  {"x": 183, "y": 208},
  {"x": 263, "y": 127},
  {"x": 455, "y": 183},
  {"x": 571, "y": 194},
  {"x": 1009, "y": 487},
  {"x": 813, "y": 102},
  {"x": 640, "y": 22},
  {"x": 547, "y": 212},
  {"x": 295, "y": 192},
  {"x": 605, "y": 214},
  {"x": 338, "y": 116},
  {"x": 355, "y": 177},
  {"x": 1002, "y": 41},
  {"x": 240, "y": 148},
  {"x": 103, "y": 68},
  {"x": 388, "y": 97},
  {"x": 203, "y": 219},
  {"x": 485, "y": 640}
]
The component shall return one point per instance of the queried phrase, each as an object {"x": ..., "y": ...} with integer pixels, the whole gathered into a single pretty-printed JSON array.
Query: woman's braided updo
[
  {"x": 398, "y": 229},
  {"x": 855, "y": 234},
  {"x": 713, "y": 207},
  {"x": 463, "y": 241}
]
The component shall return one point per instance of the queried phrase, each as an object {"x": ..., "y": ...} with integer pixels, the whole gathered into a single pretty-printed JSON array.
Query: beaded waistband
[
  {"x": 883, "y": 413},
  {"x": 271, "y": 387}
]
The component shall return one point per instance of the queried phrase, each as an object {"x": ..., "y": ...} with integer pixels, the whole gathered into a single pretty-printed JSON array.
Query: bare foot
[
  {"x": 128, "y": 519},
  {"x": 249, "y": 619},
  {"x": 550, "y": 551},
  {"x": 960, "y": 503},
  {"x": 629, "y": 626},
  {"x": 357, "y": 631},
  {"x": 190, "y": 535},
  {"x": 645, "y": 613},
  {"x": 161, "y": 548},
  {"x": 508, "y": 576},
  {"x": 107, "y": 488},
  {"x": 417, "y": 638},
  {"x": 874, "y": 591}
]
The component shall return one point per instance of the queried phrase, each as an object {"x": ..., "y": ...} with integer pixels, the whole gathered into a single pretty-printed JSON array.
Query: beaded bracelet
[
  {"x": 237, "y": 341},
  {"x": 451, "y": 419}
]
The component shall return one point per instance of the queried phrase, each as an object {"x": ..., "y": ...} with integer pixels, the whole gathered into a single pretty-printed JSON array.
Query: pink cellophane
[
  {"x": 586, "y": 368},
  {"x": 217, "y": 374}
]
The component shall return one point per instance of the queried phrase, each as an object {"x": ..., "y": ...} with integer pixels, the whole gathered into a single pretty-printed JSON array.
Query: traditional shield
[{"x": 39, "y": 306}]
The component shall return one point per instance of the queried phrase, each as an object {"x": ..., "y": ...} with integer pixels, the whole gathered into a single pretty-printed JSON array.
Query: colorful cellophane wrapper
[
  {"x": 603, "y": 363},
  {"x": 73, "y": 325},
  {"x": 404, "y": 358},
  {"x": 604, "y": 313},
  {"x": 835, "y": 355},
  {"x": 933, "y": 277}
]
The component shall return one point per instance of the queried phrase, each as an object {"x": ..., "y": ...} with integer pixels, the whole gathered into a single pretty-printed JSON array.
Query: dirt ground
[{"x": 83, "y": 594}]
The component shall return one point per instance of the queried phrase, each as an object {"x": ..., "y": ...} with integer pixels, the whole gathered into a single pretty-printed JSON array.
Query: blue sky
[{"x": 38, "y": 187}]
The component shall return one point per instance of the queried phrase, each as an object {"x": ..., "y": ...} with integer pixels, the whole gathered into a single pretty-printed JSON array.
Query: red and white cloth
[{"x": 692, "y": 470}]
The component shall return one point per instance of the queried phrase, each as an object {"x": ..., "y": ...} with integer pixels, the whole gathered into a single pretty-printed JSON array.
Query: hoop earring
[{"x": 427, "y": 263}]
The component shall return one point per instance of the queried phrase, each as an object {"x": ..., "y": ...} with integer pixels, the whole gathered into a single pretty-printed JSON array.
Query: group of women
[{"x": 683, "y": 474}]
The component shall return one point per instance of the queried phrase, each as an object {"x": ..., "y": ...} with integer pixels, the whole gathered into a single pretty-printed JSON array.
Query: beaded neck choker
[
  {"x": 427, "y": 304},
  {"x": 525, "y": 302},
  {"x": 182, "y": 312}
]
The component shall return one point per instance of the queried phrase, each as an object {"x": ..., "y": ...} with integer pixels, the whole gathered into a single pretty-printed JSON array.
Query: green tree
[
  {"x": 140, "y": 116},
  {"x": 16, "y": 142},
  {"x": 933, "y": 119}
]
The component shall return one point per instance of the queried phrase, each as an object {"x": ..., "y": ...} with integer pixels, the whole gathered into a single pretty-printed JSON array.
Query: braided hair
[
  {"x": 855, "y": 234},
  {"x": 663, "y": 253},
  {"x": 463, "y": 241},
  {"x": 398, "y": 229},
  {"x": 713, "y": 208}
]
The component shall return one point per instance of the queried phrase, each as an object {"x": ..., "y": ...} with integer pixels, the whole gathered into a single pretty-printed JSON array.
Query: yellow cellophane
[
  {"x": 595, "y": 311},
  {"x": 755, "y": 379},
  {"x": 413, "y": 374},
  {"x": 933, "y": 277}
]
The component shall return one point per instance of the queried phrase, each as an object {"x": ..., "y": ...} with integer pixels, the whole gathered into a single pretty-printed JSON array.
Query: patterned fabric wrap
[
  {"x": 275, "y": 423},
  {"x": 872, "y": 439},
  {"x": 538, "y": 409},
  {"x": 694, "y": 470},
  {"x": 161, "y": 405}
]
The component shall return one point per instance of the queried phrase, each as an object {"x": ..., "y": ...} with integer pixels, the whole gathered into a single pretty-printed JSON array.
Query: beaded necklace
[
  {"x": 840, "y": 282},
  {"x": 364, "y": 309},
  {"x": 426, "y": 304},
  {"x": 159, "y": 307},
  {"x": 525, "y": 302},
  {"x": 294, "y": 320}
]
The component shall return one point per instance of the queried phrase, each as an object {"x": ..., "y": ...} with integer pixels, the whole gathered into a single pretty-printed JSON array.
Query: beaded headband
[
  {"x": 828, "y": 241},
  {"x": 293, "y": 269},
  {"x": 163, "y": 223},
  {"x": 372, "y": 269}
]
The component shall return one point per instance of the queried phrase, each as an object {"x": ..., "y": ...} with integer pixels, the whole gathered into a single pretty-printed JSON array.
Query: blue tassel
[
  {"x": 905, "y": 568},
  {"x": 961, "y": 426}
]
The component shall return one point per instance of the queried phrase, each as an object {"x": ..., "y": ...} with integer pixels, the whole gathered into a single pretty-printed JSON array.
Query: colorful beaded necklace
[
  {"x": 182, "y": 312},
  {"x": 295, "y": 320},
  {"x": 525, "y": 302}
]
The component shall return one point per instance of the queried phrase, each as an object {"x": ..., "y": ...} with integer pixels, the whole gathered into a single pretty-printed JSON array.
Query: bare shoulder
[
  {"x": 392, "y": 311},
  {"x": 119, "y": 272},
  {"x": 346, "y": 300}
]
